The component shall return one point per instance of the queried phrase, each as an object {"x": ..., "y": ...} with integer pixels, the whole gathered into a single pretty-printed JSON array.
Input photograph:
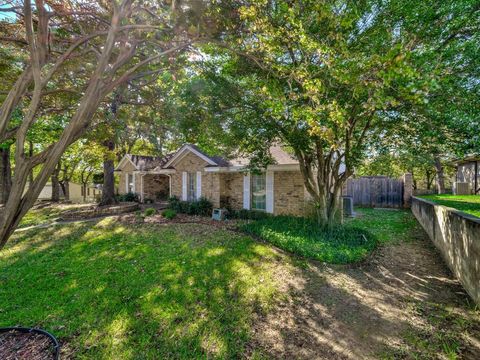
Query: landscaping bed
[
  {"x": 469, "y": 204},
  {"x": 97, "y": 211}
]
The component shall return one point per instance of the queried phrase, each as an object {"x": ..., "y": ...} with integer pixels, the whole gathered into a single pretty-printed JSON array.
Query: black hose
[{"x": 56, "y": 355}]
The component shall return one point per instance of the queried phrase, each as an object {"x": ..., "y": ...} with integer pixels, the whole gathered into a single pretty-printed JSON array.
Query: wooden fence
[{"x": 376, "y": 191}]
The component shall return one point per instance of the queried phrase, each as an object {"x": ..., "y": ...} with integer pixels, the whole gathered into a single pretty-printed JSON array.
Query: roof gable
[{"x": 189, "y": 148}]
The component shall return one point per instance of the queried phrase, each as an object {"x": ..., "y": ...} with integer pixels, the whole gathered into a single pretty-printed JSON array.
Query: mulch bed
[
  {"x": 97, "y": 211},
  {"x": 179, "y": 219},
  {"x": 16, "y": 345}
]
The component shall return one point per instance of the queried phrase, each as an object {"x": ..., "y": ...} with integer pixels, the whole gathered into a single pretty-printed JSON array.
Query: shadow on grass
[{"x": 142, "y": 292}]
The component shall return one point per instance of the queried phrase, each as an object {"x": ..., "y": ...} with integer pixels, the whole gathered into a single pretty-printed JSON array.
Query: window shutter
[
  {"x": 126, "y": 183},
  {"x": 184, "y": 186},
  {"x": 246, "y": 191},
  {"x": 133, "y": 181},
  {"x": 199, "y": 184},
  {"x": 269, "y": 192}
]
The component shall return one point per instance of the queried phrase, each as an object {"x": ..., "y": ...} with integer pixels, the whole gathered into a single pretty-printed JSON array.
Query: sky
[{"x": 6, "y": 16}]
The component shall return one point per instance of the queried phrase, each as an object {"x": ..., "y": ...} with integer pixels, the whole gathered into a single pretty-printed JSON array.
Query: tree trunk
[
  {"x": 65, "y": 185},
  {"x": 55, "y": 185},
  {"x": 108, "y": 191},
  {"x": 440, "y": 176},
  {"x": 30, "y": 154},
  {"x": 5, "y": 174}
]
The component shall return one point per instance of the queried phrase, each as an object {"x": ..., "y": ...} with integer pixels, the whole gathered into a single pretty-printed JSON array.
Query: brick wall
[
  {"x": 289, "y": 193},
  {"x": 210, "y": 181},
  {"x": 231, "y": 189}
]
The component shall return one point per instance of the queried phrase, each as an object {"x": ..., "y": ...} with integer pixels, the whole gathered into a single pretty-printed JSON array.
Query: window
[
  {"x": 191, "y": 186},
  {"x": 130, "y": 184},
  {"x": 259, "y": 194}
]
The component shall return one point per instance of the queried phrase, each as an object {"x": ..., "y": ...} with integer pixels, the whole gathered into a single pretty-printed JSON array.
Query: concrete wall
[{"x": 457, "y": 236}]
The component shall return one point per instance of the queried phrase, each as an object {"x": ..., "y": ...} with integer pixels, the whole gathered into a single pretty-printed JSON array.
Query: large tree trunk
[
  {"x": 324, "y": 185},
  {"x": 440, "y": 175},
  {"x": 108, "y": 191},
  {"x": 55, "y": 185},
  {"x": 5, "y": 174}
]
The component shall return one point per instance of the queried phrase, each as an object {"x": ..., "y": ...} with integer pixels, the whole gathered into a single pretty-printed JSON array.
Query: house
[
  {"x": 189, "y": 174},
  {"x": 467, "y": 178},
  {"x": 78, "y": 193}
]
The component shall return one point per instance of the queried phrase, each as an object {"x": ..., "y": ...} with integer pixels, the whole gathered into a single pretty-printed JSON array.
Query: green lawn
[
  {"x": 47, "y": 214},
  {"x": 140, "y": 291},
  {"x": 469, "y": 204},
  {"x": 349, "y": 244}
]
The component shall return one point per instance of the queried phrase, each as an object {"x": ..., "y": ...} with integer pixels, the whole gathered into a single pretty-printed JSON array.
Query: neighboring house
[
  {"x": 190, "y": 174},
  {"x": 77, "y": 193},
  {"x": 467, "y": 179}
]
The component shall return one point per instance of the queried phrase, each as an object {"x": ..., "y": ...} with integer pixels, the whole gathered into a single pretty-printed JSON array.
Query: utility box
[
  {"x": 348, "y": 206},
  {"x": 219, "y": 214},
  {"x": 462, "y": 188}
]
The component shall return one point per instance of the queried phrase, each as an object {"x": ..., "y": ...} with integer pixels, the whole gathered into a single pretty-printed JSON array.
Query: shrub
[
  {"x": 128, "y": 197},
  {"x": 245, "y": 214},
  {"x": 302, "y": 236},
  {"x": 201, "y": 207},
  {"x": 149, "y": 212},
  {"x": 169, "y": 214}
]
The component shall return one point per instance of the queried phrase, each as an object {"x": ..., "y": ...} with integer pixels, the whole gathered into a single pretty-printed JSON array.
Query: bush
[
  {"x": 128, "y": 197},
  {"x": 149, "y": 212},
  {"x": 202, "y": 207},
  {"x": 169, "y": 214},
  {"x": 245, "y": 214}
]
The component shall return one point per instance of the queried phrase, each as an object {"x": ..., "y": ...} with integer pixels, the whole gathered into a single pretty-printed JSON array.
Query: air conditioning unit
[
  {"x": 348, "y": 206},
  {"x": 219, "y": 214},
  {"x": 463, "y": 188}
]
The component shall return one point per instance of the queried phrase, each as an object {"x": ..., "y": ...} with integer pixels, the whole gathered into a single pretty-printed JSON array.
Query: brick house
[{"x": 190, "y": 174}]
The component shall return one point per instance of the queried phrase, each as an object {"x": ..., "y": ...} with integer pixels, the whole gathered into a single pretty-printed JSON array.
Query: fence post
[{"x": 407, "y": 190}]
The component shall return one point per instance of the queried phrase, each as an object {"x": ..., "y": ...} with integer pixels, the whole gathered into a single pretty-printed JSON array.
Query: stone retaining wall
[
  {"x": 100, "y": 211},
  {"x": 457, "y": 236}
]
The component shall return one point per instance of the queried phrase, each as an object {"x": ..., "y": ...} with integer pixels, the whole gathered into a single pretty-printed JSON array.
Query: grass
[
  {"x": 140, "y": 291},
  {"x": 47, "y": 214},
  {"x": 469, "y": 204},
  {"x": 348, "y": 244}
]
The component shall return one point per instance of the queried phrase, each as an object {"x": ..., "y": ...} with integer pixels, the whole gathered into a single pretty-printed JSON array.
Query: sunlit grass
[
  {"x": 112, "y": 291},
  {"x": 469, "y": 204},
  {"x": 349, "y": 243}
]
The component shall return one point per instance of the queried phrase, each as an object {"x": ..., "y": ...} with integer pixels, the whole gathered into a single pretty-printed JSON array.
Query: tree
[
  {"x": 105, "y": 44},
  {"x": 320, "y": 77}
]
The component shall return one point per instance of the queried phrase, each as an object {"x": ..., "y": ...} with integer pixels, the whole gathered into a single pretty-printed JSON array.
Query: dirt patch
[
  {"x": 401, "y": 303},
  {"x": 16, "y": 345}
]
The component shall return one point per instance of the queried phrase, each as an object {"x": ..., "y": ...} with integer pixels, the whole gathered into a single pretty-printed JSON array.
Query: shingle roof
[
  {"x": 145, "y": 163},
  {"x": 279, "y": 156}
]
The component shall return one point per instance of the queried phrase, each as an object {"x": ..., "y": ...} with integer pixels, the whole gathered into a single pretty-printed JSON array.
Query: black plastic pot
[{"x": 24, "y": 330}]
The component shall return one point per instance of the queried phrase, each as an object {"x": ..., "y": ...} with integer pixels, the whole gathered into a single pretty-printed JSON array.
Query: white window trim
[
  {"x": 269, "y": 187},
  {"x": 184, "y": 185},
  {"x": 246, "y": 191},
  {"x": 199, "y": 185}
]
